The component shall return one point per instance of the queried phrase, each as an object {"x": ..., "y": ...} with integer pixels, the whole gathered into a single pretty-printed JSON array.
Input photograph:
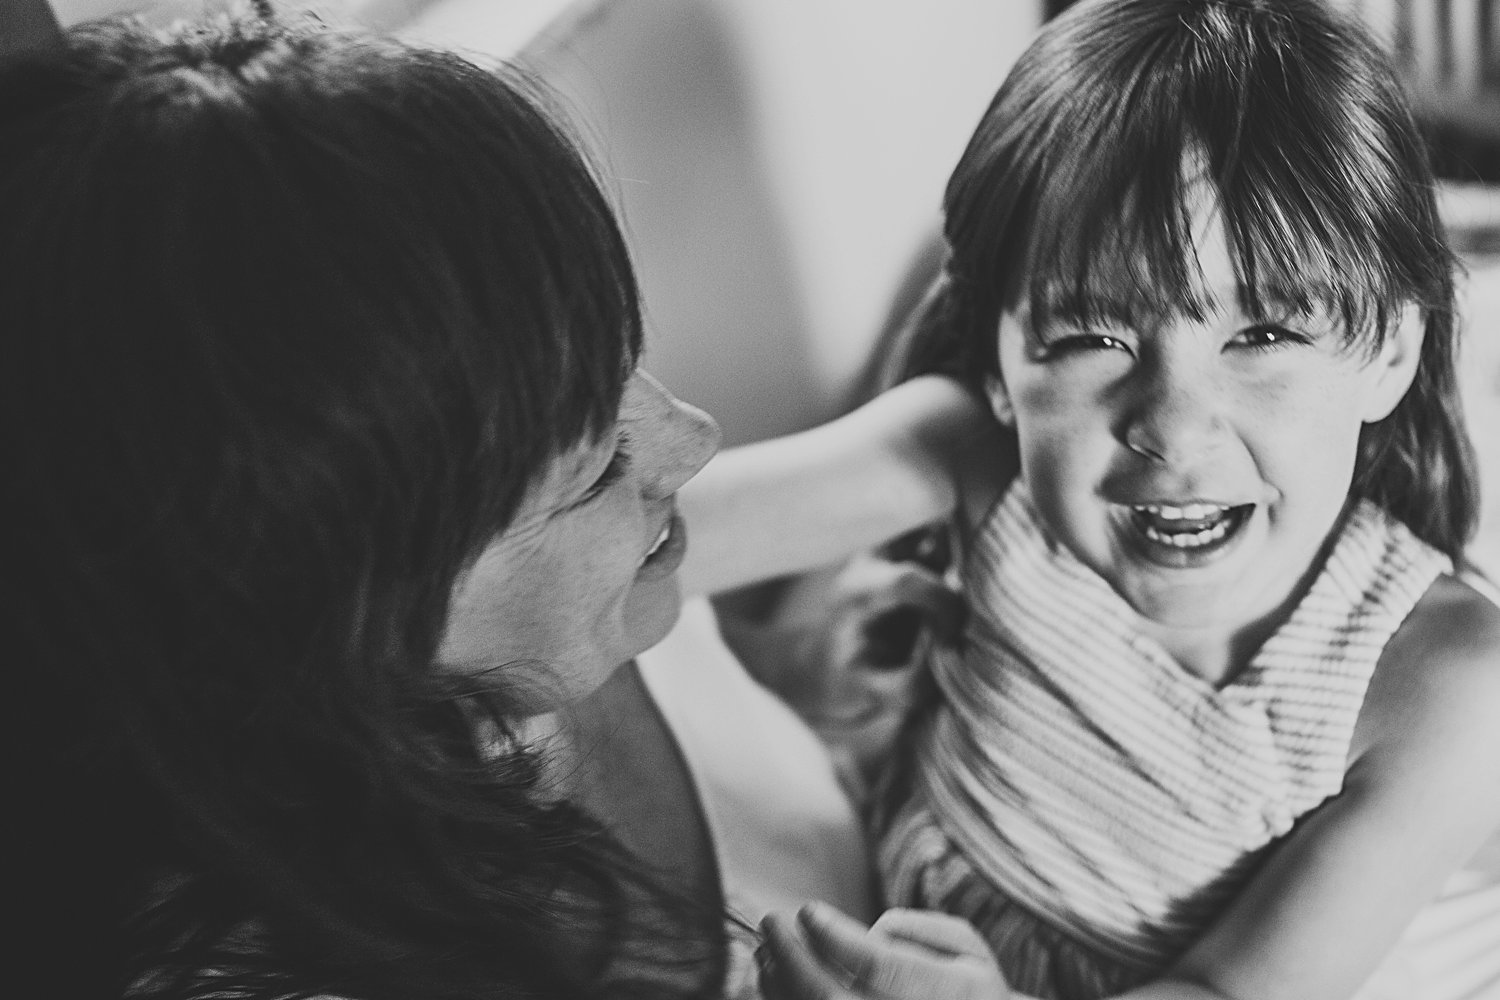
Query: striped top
[{"x": 1087, "y": 802}]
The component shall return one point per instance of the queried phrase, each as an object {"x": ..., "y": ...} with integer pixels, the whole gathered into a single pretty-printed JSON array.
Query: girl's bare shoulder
[
  {"x": 1454, "y": 626},
  {"x": 1436, "y": 688}
]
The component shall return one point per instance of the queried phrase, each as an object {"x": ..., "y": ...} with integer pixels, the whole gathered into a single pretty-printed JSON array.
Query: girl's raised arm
[{"x": 798, "y": 502}]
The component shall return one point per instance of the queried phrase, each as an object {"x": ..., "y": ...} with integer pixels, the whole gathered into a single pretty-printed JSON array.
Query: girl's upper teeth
[
  {"x": 660, "y": 540},
  {"x": 1188, "y": 512}
]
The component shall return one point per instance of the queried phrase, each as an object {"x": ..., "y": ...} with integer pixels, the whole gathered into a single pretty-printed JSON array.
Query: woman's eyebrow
[
  {"x": 577, "y": 468},
  {"x": 603, "y": 468}
]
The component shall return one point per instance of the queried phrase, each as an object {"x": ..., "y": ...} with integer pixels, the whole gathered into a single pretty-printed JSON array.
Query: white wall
[{"x": 777, "y": 162}]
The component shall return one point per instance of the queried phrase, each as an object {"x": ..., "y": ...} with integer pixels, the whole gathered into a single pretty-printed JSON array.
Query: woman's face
[{"x": 585, "y": 577}]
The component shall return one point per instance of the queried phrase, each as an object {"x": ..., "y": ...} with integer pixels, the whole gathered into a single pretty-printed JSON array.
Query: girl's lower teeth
[{"x": 1189, "y": 539}]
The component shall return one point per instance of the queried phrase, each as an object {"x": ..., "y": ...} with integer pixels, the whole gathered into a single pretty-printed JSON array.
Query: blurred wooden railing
[{"x": 1449, "y": 51}]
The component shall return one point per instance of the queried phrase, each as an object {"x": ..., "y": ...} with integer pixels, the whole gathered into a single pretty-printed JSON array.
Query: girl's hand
[{"x": 819, "y": 953}]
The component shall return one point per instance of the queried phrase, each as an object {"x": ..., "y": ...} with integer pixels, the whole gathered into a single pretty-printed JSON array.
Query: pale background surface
[
  {"x": 1479, "y": 375},
  {"x": 777, "y": 162}
]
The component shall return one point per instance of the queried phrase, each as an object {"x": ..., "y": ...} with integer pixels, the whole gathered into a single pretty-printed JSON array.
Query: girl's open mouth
[{"x": 1191, "y": 529}]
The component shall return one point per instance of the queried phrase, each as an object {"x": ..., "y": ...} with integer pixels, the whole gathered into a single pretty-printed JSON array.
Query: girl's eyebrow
[
  {"x": 1266, "y": 301},
  {"x": 1071, "y": 305},
  {"x": 1062, "y": 304}
]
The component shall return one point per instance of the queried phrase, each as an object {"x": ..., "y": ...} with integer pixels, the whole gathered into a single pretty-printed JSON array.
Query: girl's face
[
  {"x": 584, "y": 578},
  {"x": 1196, "y": 465}
]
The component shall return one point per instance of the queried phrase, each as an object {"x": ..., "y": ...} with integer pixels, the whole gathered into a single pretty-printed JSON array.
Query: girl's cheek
[{"x": 1044, "y": 398}]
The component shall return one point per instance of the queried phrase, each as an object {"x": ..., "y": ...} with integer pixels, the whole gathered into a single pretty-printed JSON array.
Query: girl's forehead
[{"x": 1185, "y": 263}]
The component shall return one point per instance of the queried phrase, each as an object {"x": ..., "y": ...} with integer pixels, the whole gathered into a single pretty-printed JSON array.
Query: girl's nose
[
  {"x": 1176, "y": 416},
  {"x": 680, "y": 439}
]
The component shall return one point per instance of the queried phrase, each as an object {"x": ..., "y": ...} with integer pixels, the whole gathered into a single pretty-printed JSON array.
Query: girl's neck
[
  {"x": 1212, "y": 655},
  {"x": 1217, "y": 655}
]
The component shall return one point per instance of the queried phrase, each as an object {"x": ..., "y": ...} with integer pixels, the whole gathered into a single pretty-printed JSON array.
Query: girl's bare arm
[
  {"x": 802, "y": 501},
  {"x": 1422, "y": 796}
]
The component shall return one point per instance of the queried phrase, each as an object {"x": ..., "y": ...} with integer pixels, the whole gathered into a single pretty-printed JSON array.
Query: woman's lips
[{"x": 663, "y": 558}]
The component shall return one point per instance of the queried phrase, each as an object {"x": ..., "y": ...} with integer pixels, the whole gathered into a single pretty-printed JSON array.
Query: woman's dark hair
[
  {"x": 1292, "y": 113},
  {"x": 292, "y": 319}
]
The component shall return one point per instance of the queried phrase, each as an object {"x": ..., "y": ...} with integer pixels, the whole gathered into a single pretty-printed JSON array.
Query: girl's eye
[
  {"x": 1267, "y": 337},
  {"x": 1079, "y": 343},
  {"x": 619, "y": 463}
]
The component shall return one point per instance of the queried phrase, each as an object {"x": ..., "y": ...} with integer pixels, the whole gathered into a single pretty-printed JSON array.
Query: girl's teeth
[
  {"x": 1189, "y": 526},
  {"x": 1189, "y": 540},
  {"x": 1190, "y": 512}
]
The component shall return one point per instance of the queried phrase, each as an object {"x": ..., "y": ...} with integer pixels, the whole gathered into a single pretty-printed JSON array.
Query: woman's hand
[{"x": 818, "y": 953}]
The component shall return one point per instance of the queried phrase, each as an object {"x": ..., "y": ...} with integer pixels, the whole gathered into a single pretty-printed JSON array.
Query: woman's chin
[{"x": 650, "y": 612}]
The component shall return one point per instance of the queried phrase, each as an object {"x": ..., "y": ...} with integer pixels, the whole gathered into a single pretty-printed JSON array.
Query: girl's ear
[
  {"x": 995, "y": 391},
  {"x": 1395, "y": 365}
]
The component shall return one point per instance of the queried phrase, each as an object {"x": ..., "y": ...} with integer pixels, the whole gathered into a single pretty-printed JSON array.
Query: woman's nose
[
  {"x": 1176, "y": 415},
  {"x": 682, "y": 440}
]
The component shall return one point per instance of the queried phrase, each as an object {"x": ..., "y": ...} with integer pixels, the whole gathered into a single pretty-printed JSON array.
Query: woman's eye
[
  {"x": 1267, "y": 337},
  {"x": 619, "y": 463}
]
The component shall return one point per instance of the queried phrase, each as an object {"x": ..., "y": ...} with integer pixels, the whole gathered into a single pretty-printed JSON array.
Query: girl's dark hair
[
  {"x": 291, "y": 321},
  {"x": 1292, "y": 113}
]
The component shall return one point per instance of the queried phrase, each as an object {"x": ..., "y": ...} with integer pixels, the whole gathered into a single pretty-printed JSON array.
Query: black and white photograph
[{"x": 752, "y": 499}]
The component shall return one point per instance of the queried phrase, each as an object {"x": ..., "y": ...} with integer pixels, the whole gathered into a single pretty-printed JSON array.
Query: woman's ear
[{"x": 1395, "y": 364}]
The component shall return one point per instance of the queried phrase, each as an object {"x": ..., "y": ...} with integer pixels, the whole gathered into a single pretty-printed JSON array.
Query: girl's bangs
[{"x": 1119, "y": 230}]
